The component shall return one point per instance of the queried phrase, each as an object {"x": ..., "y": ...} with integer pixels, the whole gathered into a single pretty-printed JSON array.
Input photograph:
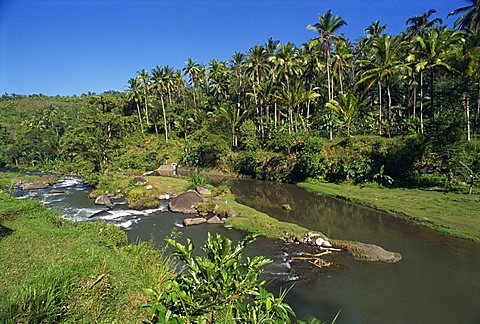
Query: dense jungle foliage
[{"x": 401, "y": 109}]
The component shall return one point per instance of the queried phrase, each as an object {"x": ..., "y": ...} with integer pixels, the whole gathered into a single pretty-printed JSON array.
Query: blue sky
[{"x": 71, "y": 47}]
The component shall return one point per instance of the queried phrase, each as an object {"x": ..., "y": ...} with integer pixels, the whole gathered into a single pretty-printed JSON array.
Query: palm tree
[
  {"x": 342, "y": 55},
  {"x": 257, "y": 68},
  {"x": 134, "y": 94},
  {"x": 347, "y": 107},
  {"x": 230, "y": 115},
  {"x": 419, "y": 24},
  {"x": 382, "y": 67},
  {"x": 293, "y": 97},
  {"x": 434, "y": 51},
  {"x": 470, "y": 17},
  {"x": 145, "y": 87},
  {"x": 160, "y": 85},
  {"x": 326, "y": 28},
  {"x": 192, "y": 68}
]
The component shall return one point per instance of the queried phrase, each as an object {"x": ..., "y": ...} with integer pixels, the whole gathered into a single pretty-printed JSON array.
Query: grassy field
[
  {"x": 454, "y": 214},
  {"x": 58, "y": 271}
]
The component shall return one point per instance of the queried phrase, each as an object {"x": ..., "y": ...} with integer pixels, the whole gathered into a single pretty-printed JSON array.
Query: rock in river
[
  {"x": 185, "y": 203},
  {"x": 215, "y": 220},
  {"x": 194, "y": 221},
  {"x": 33, "y": 185},
  {"x": 103, "y": 200}
]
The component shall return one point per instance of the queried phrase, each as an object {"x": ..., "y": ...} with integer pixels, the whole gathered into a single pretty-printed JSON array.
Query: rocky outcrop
[
  {"x": 194, "y": 221},
  {"x": 368, "y": 252},
  {"x": 185, "y": 202},
  {"x": 103, "y": 200}
]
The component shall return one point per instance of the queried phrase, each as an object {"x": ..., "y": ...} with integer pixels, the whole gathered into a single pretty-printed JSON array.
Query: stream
[{"x": 437, "y": 281}]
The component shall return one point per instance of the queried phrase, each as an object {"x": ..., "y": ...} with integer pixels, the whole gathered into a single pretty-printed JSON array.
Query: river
[{"x": 437, "y": 281}]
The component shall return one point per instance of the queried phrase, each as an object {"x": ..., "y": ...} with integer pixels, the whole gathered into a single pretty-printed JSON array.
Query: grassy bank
[
  {"x": 7, "y": 178},
  {"x": 454, "y": 214},
  {"x": 58, "y": 271}
]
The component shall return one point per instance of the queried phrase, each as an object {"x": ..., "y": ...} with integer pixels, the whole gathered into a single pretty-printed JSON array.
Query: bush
[{"x": 218, "y": 286}]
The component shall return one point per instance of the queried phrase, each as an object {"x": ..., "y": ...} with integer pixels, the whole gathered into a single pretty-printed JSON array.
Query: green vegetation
[
  {"x": 58, "y": 271},
  {"x": 7, "y": 178},
  {"x": 218, "y": 287},
  {"x": 252, "y": 221},
  {"x": 450, "y": 213},
  {"x": 397, "y": 108}
]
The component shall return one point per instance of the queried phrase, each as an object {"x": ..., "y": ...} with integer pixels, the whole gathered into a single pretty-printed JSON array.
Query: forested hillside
[{"x": 401, "y": 109}]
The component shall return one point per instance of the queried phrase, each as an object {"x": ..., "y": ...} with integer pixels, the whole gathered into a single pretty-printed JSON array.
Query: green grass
[
  {"x": 454, "y": 214},
  {"x": 252, "y": 221},
  {"x": 59, "y": 271},
  {"x": 7, "y": 178}
]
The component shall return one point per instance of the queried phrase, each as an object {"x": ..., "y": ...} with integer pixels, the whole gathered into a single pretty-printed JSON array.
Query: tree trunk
[
  {"x": 380, "y": 107},
  {"x": 431, "y": 92},
  {"x": 164, "y": 119},
  {"x": 330, "y": 96},
  {"x": 276, "y": 120},
  {"x": 477, "y": 113},
  {"x": 466, "y": 101},
  {"x": 139, "y": 116},
  {"x": 389, "y": 112},
  {"x": 421, "y": 102},
  {"x": 146, "y": 110},
  {"x": 414, "y": 102}
]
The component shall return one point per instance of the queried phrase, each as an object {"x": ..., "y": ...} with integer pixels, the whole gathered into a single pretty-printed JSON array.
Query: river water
[{"x": 438, "y": 280}]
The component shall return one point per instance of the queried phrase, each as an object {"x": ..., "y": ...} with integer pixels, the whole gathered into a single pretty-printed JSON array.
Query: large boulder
[
  {"x": 185, "y": 202},
  {"x": 194, "y": 221},
  {"x": 103, "y": 200}
]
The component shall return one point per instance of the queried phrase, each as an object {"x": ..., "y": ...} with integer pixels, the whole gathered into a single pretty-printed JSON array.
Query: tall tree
[
  {"x": 470, "y": 16},
  {"x": 326, "y": 28}
]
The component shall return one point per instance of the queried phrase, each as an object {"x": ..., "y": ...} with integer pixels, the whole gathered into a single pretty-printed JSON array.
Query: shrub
[{"x": 219, "y": 285}]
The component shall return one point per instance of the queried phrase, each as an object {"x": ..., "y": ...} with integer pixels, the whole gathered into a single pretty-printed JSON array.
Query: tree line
[{"x": 329, "y": 108}]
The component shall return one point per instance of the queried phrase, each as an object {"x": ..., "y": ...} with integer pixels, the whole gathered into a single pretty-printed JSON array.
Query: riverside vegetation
[{"x": 86, "y": 272}]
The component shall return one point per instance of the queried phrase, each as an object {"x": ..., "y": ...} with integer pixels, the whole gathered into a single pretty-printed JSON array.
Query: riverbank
[
  {"x": 451, "y": 213},
  {"x": 54, "y": 270}
]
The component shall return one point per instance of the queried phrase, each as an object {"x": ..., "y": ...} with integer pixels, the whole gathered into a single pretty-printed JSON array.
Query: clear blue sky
[{"x": 70, "y": 47}]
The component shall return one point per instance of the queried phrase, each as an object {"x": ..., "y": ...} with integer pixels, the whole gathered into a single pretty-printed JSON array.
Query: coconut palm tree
[
  {"x": 347, "y": 107},
  {"x": 470, "y": 17},
  {"x": 418, "y": 24},
  {"x": 434, "y": 50},
  {"x": 145, "y": 89},
  {"x": 326, "y": 28},
  {"x": 192, "y": 69},
  {"x": 385, "y": 63},
  {"x": 293, "y": 97},
  {"x": 134, "y": 94},
  {"x": 160, "y": 85}
]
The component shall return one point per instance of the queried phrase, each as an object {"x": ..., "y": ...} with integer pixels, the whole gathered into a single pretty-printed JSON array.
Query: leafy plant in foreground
[{"x": 218, "y": 286}]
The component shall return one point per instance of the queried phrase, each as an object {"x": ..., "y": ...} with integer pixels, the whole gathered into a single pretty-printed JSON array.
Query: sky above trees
[{"x": 71, "y": 47}]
